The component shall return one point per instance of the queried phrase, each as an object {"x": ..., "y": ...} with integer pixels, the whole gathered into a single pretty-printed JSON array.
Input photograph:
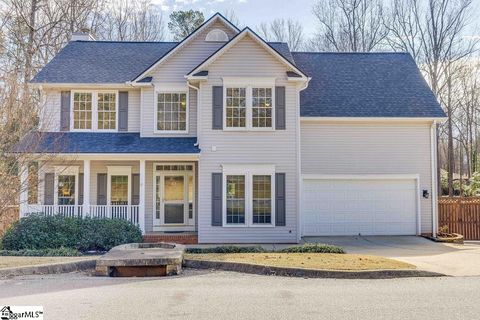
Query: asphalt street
[{"x": 228, "y": 295}]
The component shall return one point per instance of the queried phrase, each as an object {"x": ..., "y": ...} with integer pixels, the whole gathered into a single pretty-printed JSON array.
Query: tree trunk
[{"x": 30, "y": 49}]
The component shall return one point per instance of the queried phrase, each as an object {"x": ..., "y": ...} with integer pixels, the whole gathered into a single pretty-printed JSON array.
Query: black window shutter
[
  {"x": 280, "y": 108},
  {"x": 217, "y": 111},
  {"x": 123, "y": 111},
  {"x": 48, "y": 192},
  {"x": 217, "y": 202},
  {"x": 101, "y": 189},
  {"x": 80, "y": 189},
  {"x": 65, "y": 111},
  {"x": 280, "y": 219},
  {"x": 135, "y": 189}
]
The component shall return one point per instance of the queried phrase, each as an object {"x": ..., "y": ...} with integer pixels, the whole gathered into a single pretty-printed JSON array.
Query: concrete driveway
[{"x": 449, "y": 259}]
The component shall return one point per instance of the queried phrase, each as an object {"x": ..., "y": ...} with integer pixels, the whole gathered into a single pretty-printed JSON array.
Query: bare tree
[
  {"x": 349, "y": 25},
  {"x": 281, "y": 30},
  {"x": 137, "y": 20},
  {"x": 433, "y": 33}
]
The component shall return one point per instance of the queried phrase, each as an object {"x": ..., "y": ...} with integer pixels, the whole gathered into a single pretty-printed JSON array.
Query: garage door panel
[{"x": 350, "y": 207}]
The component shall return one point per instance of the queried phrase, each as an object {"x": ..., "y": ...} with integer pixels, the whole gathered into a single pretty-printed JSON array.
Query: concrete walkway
[{"x": 449, "y": 259}]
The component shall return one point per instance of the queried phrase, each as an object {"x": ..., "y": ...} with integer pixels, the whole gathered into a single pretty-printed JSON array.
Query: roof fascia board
[
  {"x": 79, "y": 85},
  {"x": 371, "y": 119},
  {"x": 187, "y": 39},
  {"x": 237, "y": 38},
  {"x": 113, "y": 156}
]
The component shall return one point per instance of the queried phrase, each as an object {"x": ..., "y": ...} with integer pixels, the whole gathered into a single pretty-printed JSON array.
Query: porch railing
[
  {"x": 125, "y": 212},
  {"x": 63, "y": 210}
]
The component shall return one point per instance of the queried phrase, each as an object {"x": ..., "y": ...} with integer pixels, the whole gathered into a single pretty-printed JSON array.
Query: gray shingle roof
[
  {"x": 101, "y": 61},
  {"x": 102, "y": 142},
  {"x": 110, "y": 61},
  {"x": 365, "y": 85}
]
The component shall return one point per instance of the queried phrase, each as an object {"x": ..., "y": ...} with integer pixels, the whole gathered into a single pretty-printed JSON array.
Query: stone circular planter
[{"x": 456, "y": 238}]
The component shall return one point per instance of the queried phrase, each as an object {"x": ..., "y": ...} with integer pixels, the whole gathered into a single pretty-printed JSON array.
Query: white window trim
[
  {"x": 94, "y": 110},
  {"x": 65, "y": 171},
  {"x": 171, "y": 89},
  {"x": 248, "y": 171},
  {"x": 248, "y": 84},
  {"x": 119, "y": 171}
]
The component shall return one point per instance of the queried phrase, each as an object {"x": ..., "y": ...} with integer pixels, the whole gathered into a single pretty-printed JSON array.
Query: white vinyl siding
[
  {"x": 247, "y": 59},
  {"x": 370, "y": 148}
]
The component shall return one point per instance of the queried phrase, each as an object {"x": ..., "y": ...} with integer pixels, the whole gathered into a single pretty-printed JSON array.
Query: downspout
[
  {"x": 433, "y": 148},
  {"x": 299, "y": 161},
  {"x": 197, "y": 143}
]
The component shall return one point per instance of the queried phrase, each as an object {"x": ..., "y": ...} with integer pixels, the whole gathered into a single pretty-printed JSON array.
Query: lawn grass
[
  {"x": 318, "y": 261},
  {"x": 14, "y": 262}
]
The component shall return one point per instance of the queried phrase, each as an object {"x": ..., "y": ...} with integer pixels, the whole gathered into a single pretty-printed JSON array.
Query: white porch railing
[
  {"x": 63, "y": 210},
  {"x": 125, "y": 212}
]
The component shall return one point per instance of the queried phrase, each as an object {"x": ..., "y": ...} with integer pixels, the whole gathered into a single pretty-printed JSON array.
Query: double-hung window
[
  {"x": 94, "y": 110},
  {"x": 248, "y": 196},
  {"x": 172, "y": 112},
  {"x": 66, "y": 185},
  {"x": 249, "y": 107}
]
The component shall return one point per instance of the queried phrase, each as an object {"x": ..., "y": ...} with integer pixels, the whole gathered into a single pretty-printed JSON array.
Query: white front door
[
  {"x": 173, "y": 197},
  {"x": 333, "y": 207}
]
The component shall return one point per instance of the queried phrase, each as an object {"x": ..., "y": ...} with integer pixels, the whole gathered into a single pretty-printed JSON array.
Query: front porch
[{"x": 158, "y": 195}]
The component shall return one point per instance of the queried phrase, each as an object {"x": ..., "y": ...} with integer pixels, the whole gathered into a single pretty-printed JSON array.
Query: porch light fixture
[{"x": 426, "y": 194}]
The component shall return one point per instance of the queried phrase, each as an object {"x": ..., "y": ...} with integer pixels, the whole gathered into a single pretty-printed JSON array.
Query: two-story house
[{"x": 234, "y": 139}]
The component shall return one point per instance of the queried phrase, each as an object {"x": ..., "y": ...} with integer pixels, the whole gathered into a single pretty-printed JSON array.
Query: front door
[
  {"x": 173, "y": 202},
  {"x": 173, "y": 199}
]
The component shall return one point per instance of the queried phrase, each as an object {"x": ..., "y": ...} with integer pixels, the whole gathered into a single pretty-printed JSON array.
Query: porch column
[
  {"x": 23, "y": 189},
  {"x": 86, "y": 187},
  {"x": 141, "y": 201}
]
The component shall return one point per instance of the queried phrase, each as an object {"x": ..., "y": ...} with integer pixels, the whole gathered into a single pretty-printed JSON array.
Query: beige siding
[
  {"x": 50, "y": 109},
  {"x": 134, "y": 111},
  {"x": 275, "y": 147},
  {"x": 370, "y": 148},
  {"x": 175, "y": 67},
  {"x": 172, "y": 73}
]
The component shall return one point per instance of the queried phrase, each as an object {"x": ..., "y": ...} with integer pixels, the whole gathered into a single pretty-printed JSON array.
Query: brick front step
[{"x": 181, "y": 238}]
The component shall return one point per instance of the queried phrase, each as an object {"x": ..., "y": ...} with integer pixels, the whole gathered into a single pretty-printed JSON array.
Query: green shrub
[
  {"x": 52, "y": 232},
  {"x": 313, "y": 248},
  {"x": 60, "y": 252},
  {"x": 226, "y": 249}
]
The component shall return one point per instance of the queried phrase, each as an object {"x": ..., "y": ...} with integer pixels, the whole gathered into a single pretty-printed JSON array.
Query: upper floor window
[
  {"x": 249, "y": 107},
  {"x": 262, "y": 107},
  {"x": 95, "y": 110},
  {"x": 107, "y": 111},
  {"x": 82, "y": 110},
  {"x": 171, "y": 113},
  {"x": 236, "y": 108}
]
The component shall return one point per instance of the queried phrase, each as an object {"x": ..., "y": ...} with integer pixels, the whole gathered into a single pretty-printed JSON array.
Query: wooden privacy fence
[{"x": 461, "y": 215}]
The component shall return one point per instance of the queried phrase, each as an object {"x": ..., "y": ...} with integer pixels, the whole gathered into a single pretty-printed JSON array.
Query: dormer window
[{"x": 216, "y": 35}]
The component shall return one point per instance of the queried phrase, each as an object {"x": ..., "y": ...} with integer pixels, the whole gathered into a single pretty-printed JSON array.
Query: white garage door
[{"x": 352, "y": 207}]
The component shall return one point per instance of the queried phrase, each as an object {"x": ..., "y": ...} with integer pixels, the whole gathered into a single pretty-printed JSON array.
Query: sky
[
  {"x": 249, "y": 12},
  {"x": 252, "y": 12}
]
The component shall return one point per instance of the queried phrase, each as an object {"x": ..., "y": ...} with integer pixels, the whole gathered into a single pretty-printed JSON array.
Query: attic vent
[{"x": 216, "y": 35}]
